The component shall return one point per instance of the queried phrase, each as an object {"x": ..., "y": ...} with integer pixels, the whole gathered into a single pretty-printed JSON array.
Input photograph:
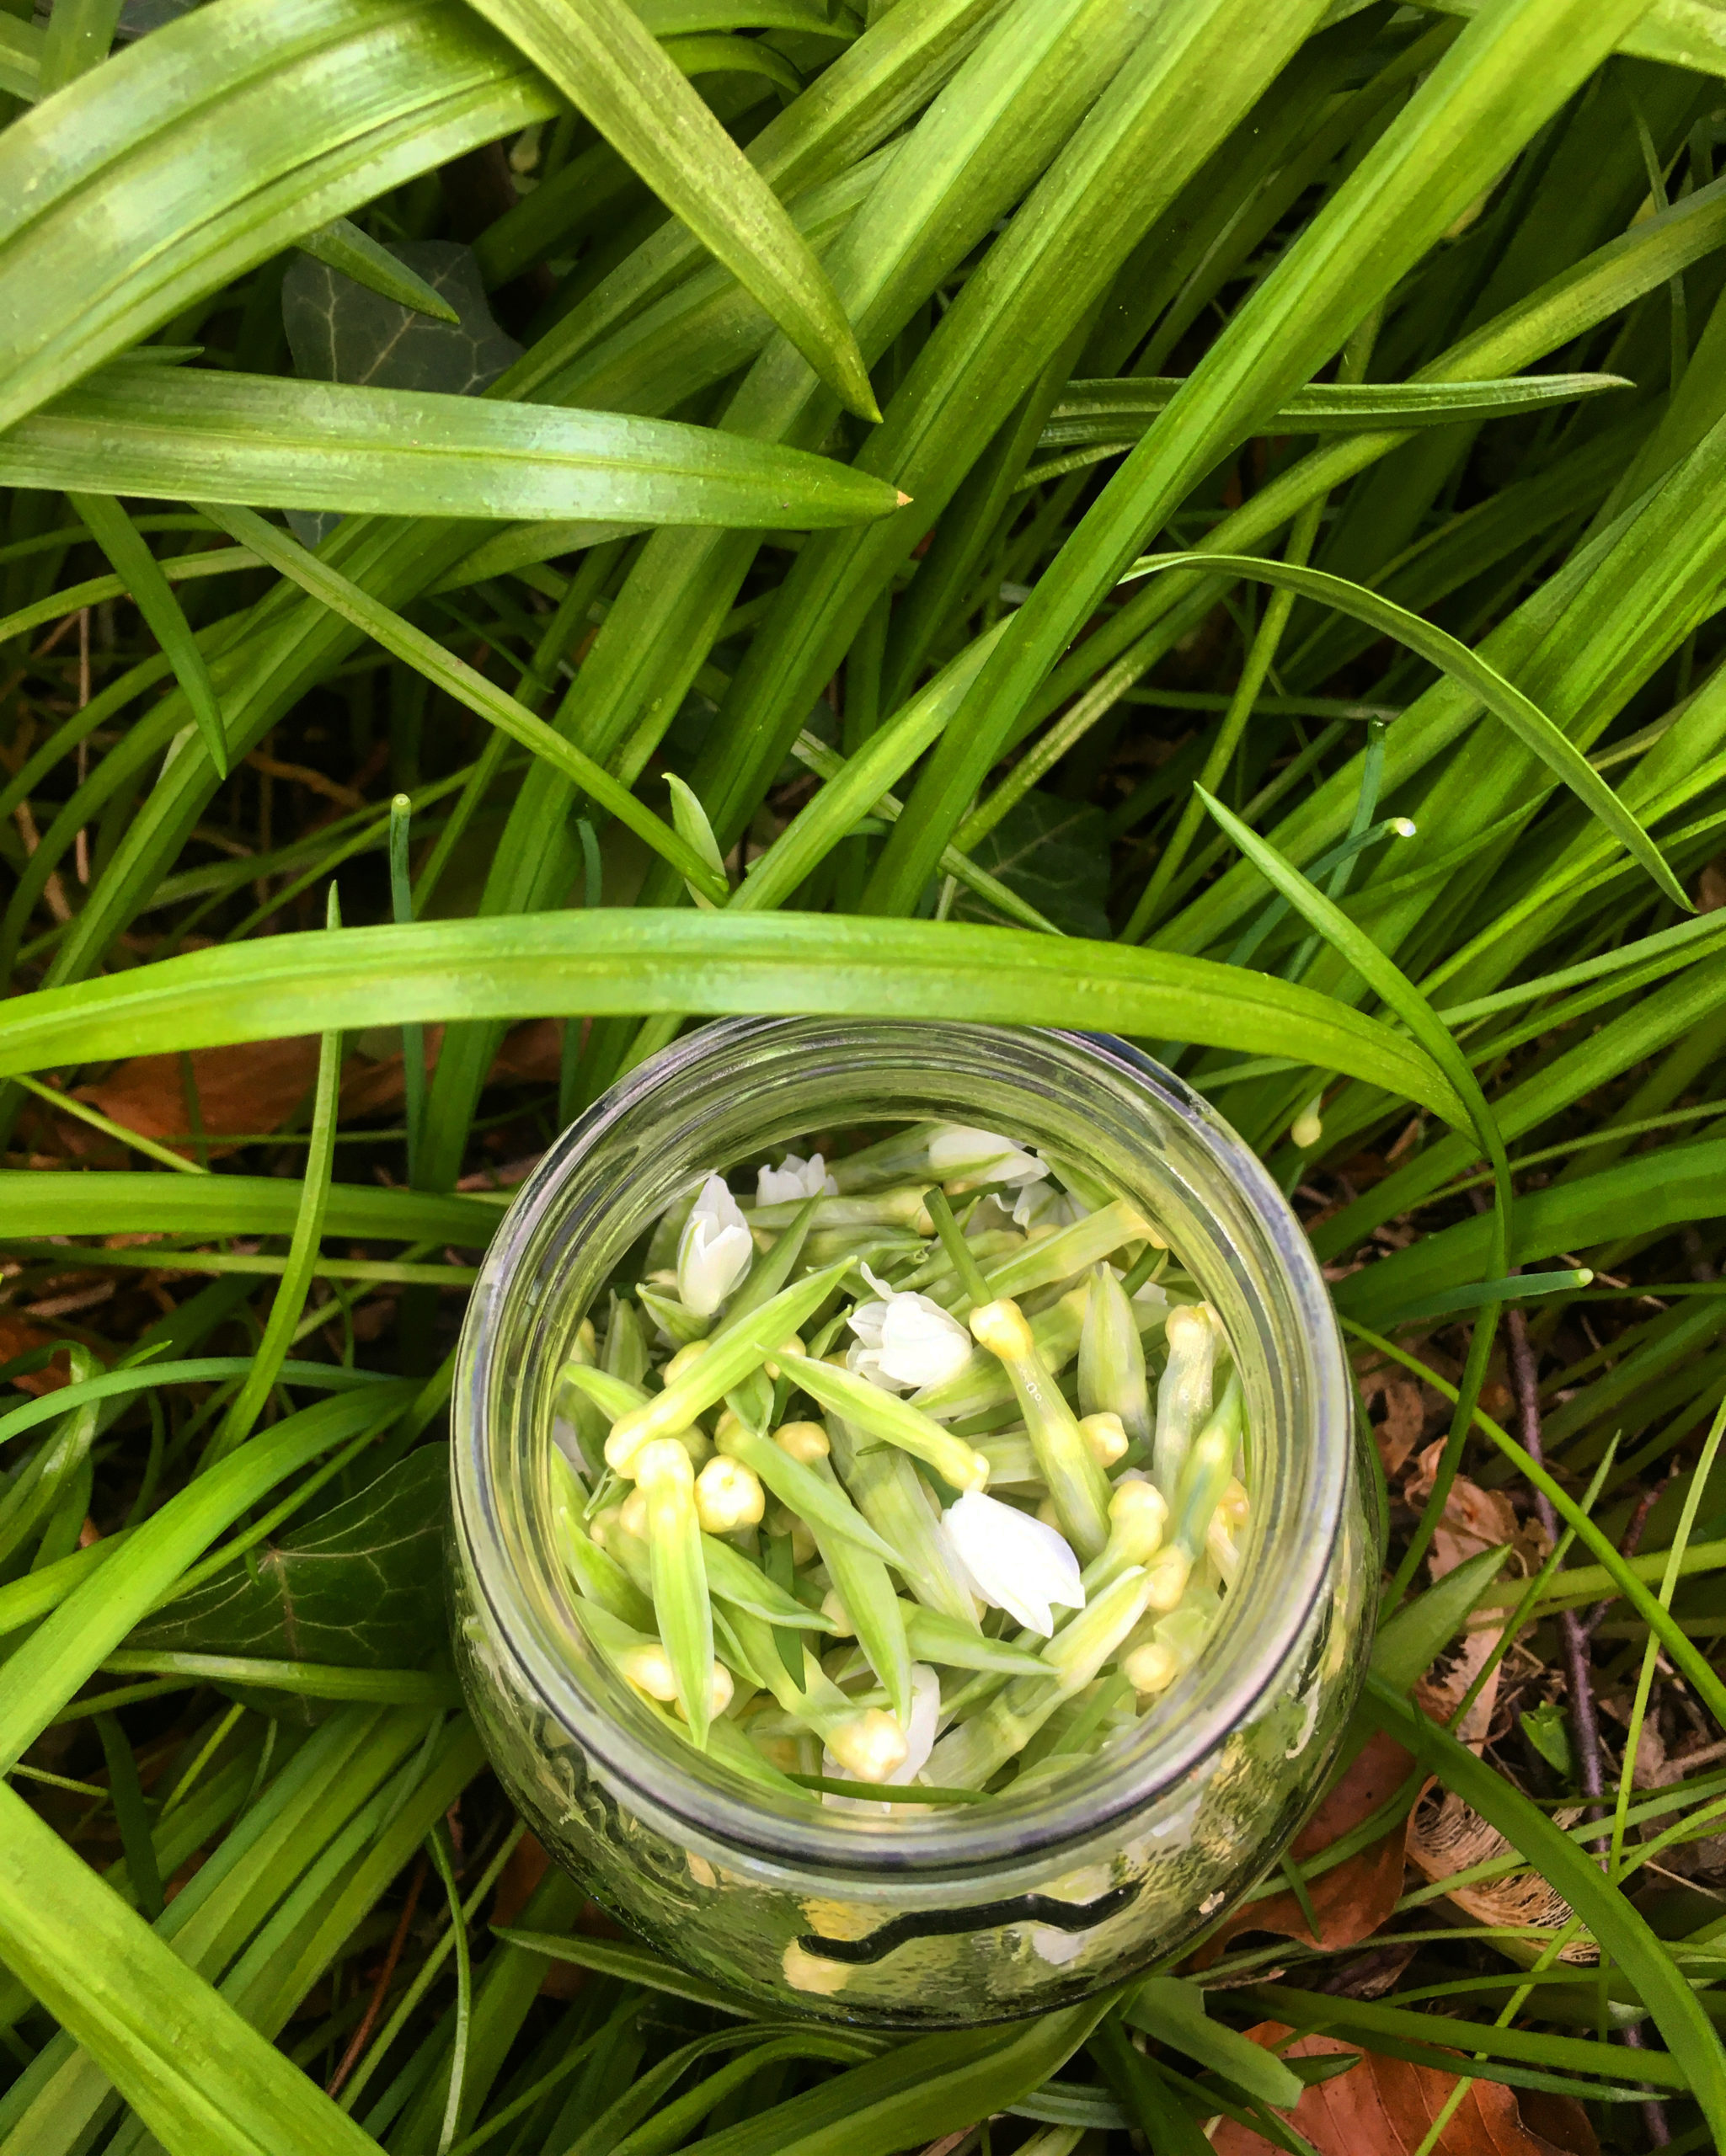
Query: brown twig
[
  {"x": 1585, "y": 1719},
  {"x": 380, "y": 1990}
]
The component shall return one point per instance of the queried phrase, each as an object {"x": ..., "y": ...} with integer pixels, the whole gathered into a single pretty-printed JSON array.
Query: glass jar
[{"x": 943, "y": 1916}]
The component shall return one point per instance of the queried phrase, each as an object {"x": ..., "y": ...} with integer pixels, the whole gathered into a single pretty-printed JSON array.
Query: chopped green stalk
[
  {"x": 1184, "y": 1392},
  {"x": 893, "y": 1421},
  {"x": 1112, "y": 1361},
  {"x": 611, "y": 1396},
  {"x": 1208, "y": 1472},
  {"x": 933, "y": 1636},
  {"x": 1010, "y": 1458},
  {"x": 887, "y": 1209},
  {"x": 764, "y": 1280},
  {"x": 960, "y": 1254},
  {"x": 625, "y": 1355},
  {"x": 721, "y": 1365},
  {"x": 876, "y": 1247},
  {"x": 1076, "y": 1483},
  {"x": 863, "y": 1586},
  {"x": 673, "y": 1319},
  {"x": 802, "y": 1491},
  {"x": 901, "y": 1506},
  {"x": 680, "y": 1581},
  {"x": 975, "y": 1750},
  {"x": 732, "y": 1579},
  {"x": 983, "y": 1382},
  {"x": 751, "y": 1401},
  {"x": 629, "y": 1550},
  {"x": 896, "y": 1158},
  {"x": 1145, "y": 1268},
  {"x": 597, "y": 1575},
  {"x": 937, "y": 1280},
  {"x": 1067, "y": 1251}
]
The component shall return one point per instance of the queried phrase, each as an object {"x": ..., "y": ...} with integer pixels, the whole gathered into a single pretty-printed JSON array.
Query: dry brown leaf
[
  {"x": 1353, "y": 1898},
  {"x": 1404, "y": 1420},
  {"x": 18, "y": 1336},
  {"x": 1445, "y": 1837},
  {"x": 255, "y": 1086},
  {"x": 1386, "y": 2107}
]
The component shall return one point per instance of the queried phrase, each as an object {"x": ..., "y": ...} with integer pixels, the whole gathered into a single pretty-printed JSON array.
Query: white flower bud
[
  {"x": 1014, "y": 1563},
  {"x": 727, "y": 1496},
  {"x": 959, "y": 1151},
  {"x": 714, "y": 1250},
  {"x": 1043, "y": 1206},
  {"x": 793, "y": 1179}
]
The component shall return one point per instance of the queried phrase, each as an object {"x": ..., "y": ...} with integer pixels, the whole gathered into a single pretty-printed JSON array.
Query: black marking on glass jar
[{"x": 1026, "y": 1909}]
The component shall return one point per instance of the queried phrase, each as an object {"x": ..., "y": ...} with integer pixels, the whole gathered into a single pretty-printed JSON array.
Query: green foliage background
[{"x": 498, "y": 410}]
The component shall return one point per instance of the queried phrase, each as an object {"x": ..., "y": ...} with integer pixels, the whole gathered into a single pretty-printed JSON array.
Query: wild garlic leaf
[{"x": 1052, "y": 853}]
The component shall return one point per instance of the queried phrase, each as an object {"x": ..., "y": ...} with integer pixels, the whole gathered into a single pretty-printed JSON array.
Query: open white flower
[
  {"x": 793, "y": 1179},
  {"x": 1014, "y": 1562},
  {"x": 960, "y": 1150},
  {"x": 1043, "y": 1206},
  {"x": 904, "y": 1341},
  {"x": 715, "y": 1249}
]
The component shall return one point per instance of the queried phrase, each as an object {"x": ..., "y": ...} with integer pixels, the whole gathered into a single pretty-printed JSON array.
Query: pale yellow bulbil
[
  {"x": 804, "y": 1442},
  {"x": 1152, "y": 1667},
  {"x": 1168, "y": 1573},
  {"x": 1137, "y": 1518},
  {"x": 1235, "y": 1505},
  {"x": 833, "y": 1607},
  {"x": 648, "y": 1669},
  {"x": 719, "y": 1693},
  {"x": 791, "y": 1345},
  {"x": 869, "y": 1745},
  {"x": 1105, "y": 1437},
  {"x": 632, "y": 1515},
  {"x": 1003, "y": 1329},
  {"x": 727, "y": 1496},
  {"x": 660, "y": 1460}
]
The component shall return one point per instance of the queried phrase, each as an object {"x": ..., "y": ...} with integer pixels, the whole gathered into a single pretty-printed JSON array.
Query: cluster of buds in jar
[{"x": 920, "y": 1474}]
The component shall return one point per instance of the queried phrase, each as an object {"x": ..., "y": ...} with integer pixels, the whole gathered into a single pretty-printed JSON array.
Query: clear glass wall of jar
[{"x": 945, "y": 1916}]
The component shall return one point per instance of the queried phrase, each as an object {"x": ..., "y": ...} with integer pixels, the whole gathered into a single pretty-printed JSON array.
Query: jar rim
[{"x": 1289, "y": 1570}]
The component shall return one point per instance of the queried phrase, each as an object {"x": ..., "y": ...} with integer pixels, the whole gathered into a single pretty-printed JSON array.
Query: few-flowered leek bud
[
  {"x": 665, "y": 1484},
  {"x": 1221, "y": 1549},
  {"x": 832, "y": 1606},
  {"x": 1150, "y": 1668},
  {"x": 1013, "y": 1562},
  {"x": 793, "y": 1179},
  {"x": 714, "y": 1250},
  {"x": 1184, "y": 1394},
  {"x": 727, "y": 1496},
  {"x": 1076, "y": 1483},
  {"x": 791, "y": 1344},
  {"x": 1207, "y": 1472},
  {"x": 905, "y": 1341},
  {"x": 632, "y": 1513},
  {"x": 686, "y": 1359},
  {"x": 869, "y": 1745},
  {"x": 894, "y": 1421},
  {"x": 805, "y": 1548},
  {"x": 1105, "y": 1439},
  {"x": 1112, "y": 1359},
  {"x": 804, "y": 1442},
  {"x": 721, "y": 1365}
]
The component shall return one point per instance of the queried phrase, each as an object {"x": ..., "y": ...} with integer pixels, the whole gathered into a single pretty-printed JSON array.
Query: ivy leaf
[
  {"x": 1054, "y": 854},
  {"x": 340, "y": 331},
  {"x": 359, "y": 1586}
]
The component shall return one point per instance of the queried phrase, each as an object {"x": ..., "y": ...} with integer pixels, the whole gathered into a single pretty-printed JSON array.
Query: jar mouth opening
[{"x": 740, "y": 1087}]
